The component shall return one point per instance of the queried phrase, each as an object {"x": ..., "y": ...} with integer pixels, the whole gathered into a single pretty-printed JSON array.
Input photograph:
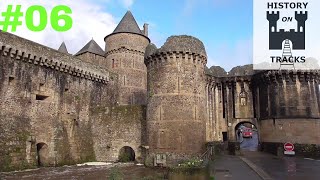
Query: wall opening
[
  {"x": 126, "y": 154},
  {"x": 225, "y": 136},
  {"x": 247, "y": 135},
  {"x": 11, "y": 80},
  {"x": 274, "y": 121},
  {"x": 42, "y": 154},
  {"x": 41, "y": 97}
]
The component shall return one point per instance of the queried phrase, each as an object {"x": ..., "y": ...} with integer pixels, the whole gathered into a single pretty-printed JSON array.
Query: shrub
[{"x": 124, "y": 157}]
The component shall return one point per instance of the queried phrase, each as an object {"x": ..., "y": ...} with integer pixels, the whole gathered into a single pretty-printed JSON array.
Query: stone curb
[{"x": 256, "y": 169}]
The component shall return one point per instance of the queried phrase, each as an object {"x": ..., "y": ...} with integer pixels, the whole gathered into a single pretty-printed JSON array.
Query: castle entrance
[
  {"x": 126, "y": 154},
  {"x": 247, "y": 134},
  {"x": 42, "y": 154}
]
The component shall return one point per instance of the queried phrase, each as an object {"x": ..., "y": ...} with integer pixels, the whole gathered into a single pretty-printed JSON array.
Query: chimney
[{"x": 145, "y": 29}]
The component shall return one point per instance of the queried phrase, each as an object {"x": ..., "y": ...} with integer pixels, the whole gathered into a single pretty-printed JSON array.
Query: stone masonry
[{"x": 58, "y": 109}]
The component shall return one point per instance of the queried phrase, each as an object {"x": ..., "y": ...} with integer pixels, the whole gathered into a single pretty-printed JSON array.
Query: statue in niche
[{"x": 243, "y": 98}]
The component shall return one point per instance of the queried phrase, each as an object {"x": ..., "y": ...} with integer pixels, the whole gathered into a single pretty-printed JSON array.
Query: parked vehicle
[{"x": 247, "y": 133}]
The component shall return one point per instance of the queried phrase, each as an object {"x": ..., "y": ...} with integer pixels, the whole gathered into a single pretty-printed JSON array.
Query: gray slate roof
[
  {"x": 63, "y": 48},
  {"x": 91, "y": 47},
  {"x": 128, "y": 24}
]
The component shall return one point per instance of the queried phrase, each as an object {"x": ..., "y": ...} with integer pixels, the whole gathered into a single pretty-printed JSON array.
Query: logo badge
[{"x": 286, "y": 35}]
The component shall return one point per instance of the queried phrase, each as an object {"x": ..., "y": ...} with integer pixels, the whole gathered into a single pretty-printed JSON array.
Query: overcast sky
[{"x": 224, "y": 26}]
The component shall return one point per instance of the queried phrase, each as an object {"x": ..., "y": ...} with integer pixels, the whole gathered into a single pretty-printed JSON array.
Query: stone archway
[
  {"x": 42, "y": 154},
  {"x": 126, "y": 154},
  {"x": 247, "y": 142}
]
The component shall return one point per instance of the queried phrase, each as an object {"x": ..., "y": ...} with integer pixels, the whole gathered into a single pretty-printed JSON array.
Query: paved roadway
[
  {"x": 282, "y": 168},
  {"x": 227, "y": 167},
  {"x": 249, "y": 144}
]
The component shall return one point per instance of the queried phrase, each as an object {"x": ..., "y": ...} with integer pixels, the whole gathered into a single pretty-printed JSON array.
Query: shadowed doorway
[
  {"x": 126, "y": 154},
  {"x": 42, "y": 154}
]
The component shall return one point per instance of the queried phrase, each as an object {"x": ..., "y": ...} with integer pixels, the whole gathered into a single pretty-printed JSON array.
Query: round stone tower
[
  {"x": 176, "y": 110},
  {"x": 125, "y": 49}
]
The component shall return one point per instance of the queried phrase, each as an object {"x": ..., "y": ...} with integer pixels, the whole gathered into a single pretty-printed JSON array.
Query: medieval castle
[{"x": 57, "y": 108}]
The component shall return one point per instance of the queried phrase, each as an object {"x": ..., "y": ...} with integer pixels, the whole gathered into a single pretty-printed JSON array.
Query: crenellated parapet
[
  {"x": 124, "y": 50},
  {"x": 229, "y": 81},
  {"x": 185, "y": 57},
  {"x": 289, "y": 76},
  {"x": 11, "y": 45}
]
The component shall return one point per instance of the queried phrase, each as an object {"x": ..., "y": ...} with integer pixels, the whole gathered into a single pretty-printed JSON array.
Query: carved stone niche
[
  {"x": 243, "y": 98},
  {"x": 243, "y": 95}
]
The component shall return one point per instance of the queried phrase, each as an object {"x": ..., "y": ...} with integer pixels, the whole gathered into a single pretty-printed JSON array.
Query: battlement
[
  {"x": 184, "y": 49},
  {"x": 161, "y": 58},
  {"x": 269, "y": 77},
  {"x": 124, "y": 50},
  {"x": 30, "y": 52}
]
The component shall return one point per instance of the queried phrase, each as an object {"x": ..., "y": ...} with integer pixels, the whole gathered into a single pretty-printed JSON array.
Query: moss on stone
[{"x": 5, "y": 164}]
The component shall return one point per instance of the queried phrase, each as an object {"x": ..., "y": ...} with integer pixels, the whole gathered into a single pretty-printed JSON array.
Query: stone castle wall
[
  {"x": 216, "y": 123},
  {"x": 230, "y": 102},
  {"x": 117, "y": 127},
  {"x": 283, "y": 105},
  {"x": 288, "y": 106},
  {"x": 93, "y": 59},
  {"x": 50, "y": 108}
]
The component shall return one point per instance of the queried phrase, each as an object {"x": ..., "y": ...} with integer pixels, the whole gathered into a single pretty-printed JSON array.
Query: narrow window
[
  {"x": 11, "y": 80},
  {"x": 112, "y": 63},
  {"x": 41, "y": 97},
  {"x": 272, "y": 29},
  {"x": 124, "y": 80}
]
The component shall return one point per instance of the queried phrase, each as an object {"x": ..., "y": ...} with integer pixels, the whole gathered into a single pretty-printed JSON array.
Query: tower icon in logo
[{"x": 297, "y": 37}]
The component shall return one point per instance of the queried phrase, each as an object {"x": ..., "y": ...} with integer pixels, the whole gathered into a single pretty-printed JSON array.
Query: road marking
[{"x": 309, "y": 159}]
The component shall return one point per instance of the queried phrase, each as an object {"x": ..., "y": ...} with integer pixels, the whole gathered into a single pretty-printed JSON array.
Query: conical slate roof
[
  {"x": 91, "y": 47},
  {"x": 128, "y": 24},
  {"x": 63, "y": 48}
]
